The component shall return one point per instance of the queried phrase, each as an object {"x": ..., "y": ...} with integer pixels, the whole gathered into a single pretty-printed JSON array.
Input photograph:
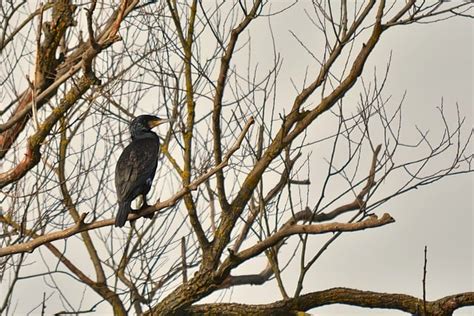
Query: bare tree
[{"x": 233, "y": 182}]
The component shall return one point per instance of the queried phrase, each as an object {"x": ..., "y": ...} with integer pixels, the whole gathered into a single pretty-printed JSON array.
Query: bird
[{"x": 136, "y": 166}]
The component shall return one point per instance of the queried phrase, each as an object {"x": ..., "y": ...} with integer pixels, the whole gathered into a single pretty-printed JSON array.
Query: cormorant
[{"x": 137, "y": 164}]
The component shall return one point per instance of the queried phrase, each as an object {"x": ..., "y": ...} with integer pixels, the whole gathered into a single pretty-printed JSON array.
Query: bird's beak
[{"x": 157, "y": 122}]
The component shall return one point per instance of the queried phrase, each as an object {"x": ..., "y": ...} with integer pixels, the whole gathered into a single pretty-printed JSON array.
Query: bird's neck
[{"x": 144, "y": 135}]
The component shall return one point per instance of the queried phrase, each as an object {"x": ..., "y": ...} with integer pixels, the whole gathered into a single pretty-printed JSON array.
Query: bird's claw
[{"x": 145, "y": 206}]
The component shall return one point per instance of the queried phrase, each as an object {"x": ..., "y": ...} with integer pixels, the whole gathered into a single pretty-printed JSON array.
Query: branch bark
[
  {"x": 236, "y": 258},
  {"x": 441, "y": 307}
]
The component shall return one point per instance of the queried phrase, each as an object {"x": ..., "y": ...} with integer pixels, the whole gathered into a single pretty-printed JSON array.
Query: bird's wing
[{"x": 136, "y": 166}]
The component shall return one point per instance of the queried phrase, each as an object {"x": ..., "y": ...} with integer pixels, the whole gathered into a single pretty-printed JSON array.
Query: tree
[{"x": 234, "y": 182}]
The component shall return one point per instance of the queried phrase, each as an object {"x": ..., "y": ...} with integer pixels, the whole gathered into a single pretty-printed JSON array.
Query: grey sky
[{"x": 430, "y": 62}]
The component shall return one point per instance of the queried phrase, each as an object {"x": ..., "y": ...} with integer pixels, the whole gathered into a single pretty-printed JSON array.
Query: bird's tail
[{"x": 122, "y": 214}]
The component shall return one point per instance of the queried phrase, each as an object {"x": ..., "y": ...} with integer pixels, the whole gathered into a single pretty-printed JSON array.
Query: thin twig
[
  {"x": 424, "y": 281},
  {"x": 183, "y": 260}
]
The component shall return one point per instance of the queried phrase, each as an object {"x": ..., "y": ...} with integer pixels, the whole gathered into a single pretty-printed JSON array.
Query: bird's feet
[{"x": 145, "y": 206}]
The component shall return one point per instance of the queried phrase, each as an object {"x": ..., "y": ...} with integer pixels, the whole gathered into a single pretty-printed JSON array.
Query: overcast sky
[{"x": 430, "y": 62}]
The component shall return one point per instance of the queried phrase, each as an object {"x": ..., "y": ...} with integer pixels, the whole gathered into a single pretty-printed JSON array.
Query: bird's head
[{"x": 144, "y": 123}]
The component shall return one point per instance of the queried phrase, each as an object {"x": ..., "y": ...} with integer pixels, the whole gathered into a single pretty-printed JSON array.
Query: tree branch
[
  {"x": 82, "y": 226},
  {"x": 441, "y": 307},
  {"x": 236, "y": 258},
  {"x": 218, "y": 96}
]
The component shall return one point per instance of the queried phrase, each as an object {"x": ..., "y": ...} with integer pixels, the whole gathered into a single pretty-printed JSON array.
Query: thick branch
[
  {"x": 406, "y": 303},
  {"x": 237, "y": 258}
]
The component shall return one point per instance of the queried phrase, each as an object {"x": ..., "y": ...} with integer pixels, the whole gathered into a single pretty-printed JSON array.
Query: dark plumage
[{"x": 136, "y": 166}]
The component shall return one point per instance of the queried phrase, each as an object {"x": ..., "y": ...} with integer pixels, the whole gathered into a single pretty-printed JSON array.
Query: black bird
[{"x": 137, "y": 164}]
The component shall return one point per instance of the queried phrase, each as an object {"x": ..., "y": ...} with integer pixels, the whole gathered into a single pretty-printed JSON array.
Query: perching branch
[{"x": 82, "y": 226}]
